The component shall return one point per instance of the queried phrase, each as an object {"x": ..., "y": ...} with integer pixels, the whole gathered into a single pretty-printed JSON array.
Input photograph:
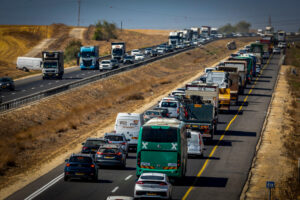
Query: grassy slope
[{"x": 32, "y": 134}]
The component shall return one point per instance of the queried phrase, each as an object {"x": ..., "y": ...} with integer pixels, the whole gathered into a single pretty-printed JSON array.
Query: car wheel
[
  {"x": 66, "y": 178},
  {"x": 25, "y": 69}
]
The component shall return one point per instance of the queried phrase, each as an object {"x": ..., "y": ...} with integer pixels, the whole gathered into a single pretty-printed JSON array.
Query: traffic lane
[
  {"x": 110, "y": 178},
  {"x": 224, "y": 178}
]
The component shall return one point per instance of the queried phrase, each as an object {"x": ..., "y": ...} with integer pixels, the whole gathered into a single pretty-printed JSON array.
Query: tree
[
  {"x": 105, "y": 30},
  {"x": 72, "y": 50},
  {"x": 242, "y": 27},
  {"x": 228, "y": 28}
]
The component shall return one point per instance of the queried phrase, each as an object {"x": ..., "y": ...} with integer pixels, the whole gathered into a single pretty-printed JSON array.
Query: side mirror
[{"x": 188, "y": 134}]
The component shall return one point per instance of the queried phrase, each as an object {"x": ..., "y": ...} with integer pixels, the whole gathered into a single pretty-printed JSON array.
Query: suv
[
  {"x": 106, "y": 65},
  {"x": 150, "y": 114},
  {"x": 115, "y": 63},
  {"x": 153, "y": 53},
  {"x": 81, "y": 166},
  {"x": 115, "y": 138},
  {"x": 164, "y": 111},
  {"x": 91, "y": 145},
  {"x": 7, "y": 83},
  {"x": 148, "y": 51},
  {"x": 128, "y": 60},
  {"x": 111, "y": 155}
]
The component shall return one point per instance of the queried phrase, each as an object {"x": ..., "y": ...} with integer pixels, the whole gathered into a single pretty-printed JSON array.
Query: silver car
[
  {"x": 114, "y": 138},
  {"x": 153, "y": 185}
]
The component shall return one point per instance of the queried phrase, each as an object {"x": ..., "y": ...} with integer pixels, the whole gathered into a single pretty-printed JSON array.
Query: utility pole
[
  {"x": 270, "y": 22},
  {"x": 78, "y": 20},
  {"x": 121, "y": 26}
]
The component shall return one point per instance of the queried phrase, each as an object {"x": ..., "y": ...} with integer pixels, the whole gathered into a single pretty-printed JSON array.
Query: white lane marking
[
  {"x": 77, "y": 75},
  {"x": 13, "y": 93},
  {"x": 49, "y": 83},
  {"x": 33, "y": 88},
  {"x": 45, "y": 187},
  {"x": 57, "y": 81},
  {"x": 23, "y": 90},
  {"x": 128, "y": 177},
  {"x": 3, "y": 96},
  {"x": 41, "y": 85},
  {"x": 115, "y": 189},
  {"x": 89, "y": 72},
  {"x": 83, "y": 74}
]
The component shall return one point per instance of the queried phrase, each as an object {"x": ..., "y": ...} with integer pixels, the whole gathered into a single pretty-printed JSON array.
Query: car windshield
[
  {"x": 139, "y": 55},
  {"x": 152, "y": 113},
  {"x": 80, "y": 159},
  {"x": 4, "y": 79},
  {"x": 149, "y": 177},
  {"x": 169, "y": 104},
  {"x": 149, "y": 49},
  {"x": 90, "y": 143},
  {"x": 108, "y": 150},
  {"x": 164, "y": 135},
  {"x": 128, "y": 57},
  {"x": 114, "y": 138},
  {"x": 117, "y": 52},
  {"x": 50, "y": 64},
  {"x": 105, "y": 62},
  {"x": 87, "y": 54}
]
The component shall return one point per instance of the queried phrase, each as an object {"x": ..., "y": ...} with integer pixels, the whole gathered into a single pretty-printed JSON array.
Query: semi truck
[
  {"x": 52, "y": 64},
  {"x": 195, "y": 33},
  {"x": 118, "y": 51},
  {"x": 199, "y": 108},
  {"x": 214, "y": 32},
  {"x": 281, "y": 36},
  {"x": 222, "y": 79},
  {"x": 205, "y": 31},
  {"x": 89, "y": 57},
  {"x": 174, "y": 38}
]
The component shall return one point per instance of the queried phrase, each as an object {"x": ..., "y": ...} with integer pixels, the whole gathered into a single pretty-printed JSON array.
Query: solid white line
[
  {"x": 41, "y": 85},
  {"x": 33, "y": 88},
  {"x": 128, "y": 177},
  {"x": 23, "y": 90},
  {"x": 83, "y": 74},
  {"x": 13, "y": 93},
  {"x": 45, "y": 187},
  {"x": 49, "y": 83},
  {"x": 114, "y": 190},
  {"x": 57, "y": 81}
]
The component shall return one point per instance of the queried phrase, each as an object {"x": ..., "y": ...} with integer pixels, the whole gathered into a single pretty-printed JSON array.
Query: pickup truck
[{"x": 199, "y": 108}]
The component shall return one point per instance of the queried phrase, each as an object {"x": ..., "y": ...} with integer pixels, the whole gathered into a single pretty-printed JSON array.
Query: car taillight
[
  {"x": 200, "y": 143},
  {"x": 139, "y": 159},
  {"x": 109, "y": 142},
  {"x": 92, "y": 166},
  {"x": 123, "y": 143},
  {"x": 177, "y": 110},
  {"x": 119, "y": 153},
  {"x": 84, "y": 148},
  {"x": 162, "y": 183},
  {"x": 68, "y": 164},
  {"x": 178, "y": 160},
  {"x": 99, "y": 153},
  {"x": 140, "y": 182}
]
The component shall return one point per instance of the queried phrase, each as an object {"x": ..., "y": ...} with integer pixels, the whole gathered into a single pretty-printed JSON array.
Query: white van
[
  {"x": 195, "y": 144},
  {"x": 28, "y": 63},
  {"x": 129, "y": 124},
  {"x": 171, "y": 105}
]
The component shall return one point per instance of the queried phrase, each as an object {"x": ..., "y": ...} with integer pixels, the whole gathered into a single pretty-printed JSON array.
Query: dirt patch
[
  {"x": 151, "y": 32},
  {"x": 272, "y": 161},
  {"x": 32, "y": 135}
]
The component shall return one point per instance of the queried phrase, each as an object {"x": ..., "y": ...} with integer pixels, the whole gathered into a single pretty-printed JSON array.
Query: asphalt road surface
[{"x": 221, "y": 174}]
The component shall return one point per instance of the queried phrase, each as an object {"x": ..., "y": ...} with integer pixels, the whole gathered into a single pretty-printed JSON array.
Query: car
[
  {"x": 195, "y": 144},
  {"x": 138, "y": 57},
  {"x": 119, "y": 198},
  {"x": 111, "y": 155},
  {"x": 164, "y": 111},
  {"x": 148, "y": 51},
  {"x": 91, "y": 145},
  {"x": 81, "y": 166},
  {"x": 106, "y": 65},
  {"x": 154, "y": 185},
  {"x": 276, "y": 50},
  {"x": 150, "y": 114},
  {"x": 153, "y": 53},
  {"x": 118, "y": 138},
  {"x": 7, "y": 83},
  {"x": 115, "y": 63},
  {"x": 128, "y": 60},
  {"x": 172, "y": 105},
  {"x": 160, "y": 51},
  {"x": 135, "y": 52},
  {"x": 169, "y": 48}
]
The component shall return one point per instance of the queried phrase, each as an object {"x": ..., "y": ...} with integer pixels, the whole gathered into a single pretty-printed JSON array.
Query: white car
[
  {"x": 171, "y": 105},
  {"x": 148, "y": 51},
  {"x": 195, "y": 144},
  {"x": 135, "y": 52},
  {"x": 276, "y": 50},
  {"x": 119, "y": 198},
  {"x": 106, "y": 65},
  {"x": 138, "y": 57},
  {"x": 154, "y": 185}
]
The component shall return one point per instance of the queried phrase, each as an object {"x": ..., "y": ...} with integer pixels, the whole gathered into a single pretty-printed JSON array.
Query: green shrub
[
  {"x": 105, "y": 31},
  {"x": 72, "y": 50}
]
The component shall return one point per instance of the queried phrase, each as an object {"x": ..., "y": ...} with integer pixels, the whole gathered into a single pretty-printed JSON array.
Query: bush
[
  {"x": 105, "y": 31},
  {"x": 72, "y": 50}
]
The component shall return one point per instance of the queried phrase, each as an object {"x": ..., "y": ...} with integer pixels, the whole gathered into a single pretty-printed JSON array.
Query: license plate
[
  {"x": 109, "y": 157},
  {"x": 151, "y": 194},
  {"x": 94, "y": 149},
  {"x": 79, "y": 174},
  {"x": 3, "y": 86}
]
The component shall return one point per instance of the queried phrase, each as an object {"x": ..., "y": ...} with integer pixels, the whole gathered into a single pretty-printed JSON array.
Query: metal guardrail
[{"x": 46, "y": 93}]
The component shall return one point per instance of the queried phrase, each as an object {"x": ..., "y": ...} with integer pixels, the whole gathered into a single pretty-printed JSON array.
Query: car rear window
[
  {"x": 105, "y": 62},
  {"x": 152, "y": 113},
  {"x": 114, "y": 138},
  {"x": 150, "y": 134},
  {"x": 159, "y": 178},
  {"x": 169, "y": 104},
  {"x": 108, "y": 150},
  {"x": 80, "y": 159},
  {"x": 94, "y": 142}
]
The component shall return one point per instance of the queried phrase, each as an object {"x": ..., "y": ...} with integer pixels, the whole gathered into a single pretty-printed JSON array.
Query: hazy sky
[{"x": 154, "y": 14}]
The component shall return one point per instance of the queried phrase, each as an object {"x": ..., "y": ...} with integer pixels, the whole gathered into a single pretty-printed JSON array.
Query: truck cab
[
  {"x": 53, "y": 64},
  {"x": 118, "y": 51},
  {"x": 89, "y": 56}
]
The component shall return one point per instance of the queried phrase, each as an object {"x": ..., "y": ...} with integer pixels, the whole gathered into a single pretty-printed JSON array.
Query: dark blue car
[{"x": 81, "y": 166}]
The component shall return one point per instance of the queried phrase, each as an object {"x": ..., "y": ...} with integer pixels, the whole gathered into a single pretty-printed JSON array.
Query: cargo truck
[
  {"x": 53, "y": 64},
  {"x": 205, "y": 31},
  {"x": 118, "y": 51},
  {"x": 199, "y": 108},
  {"x": 242, "y": 71},
  {"x": 222, "y": 79},
  {"x": 174, "y": 38},
  {"x": 89, "y": 57},
  {"x": 250, "y": 66}
]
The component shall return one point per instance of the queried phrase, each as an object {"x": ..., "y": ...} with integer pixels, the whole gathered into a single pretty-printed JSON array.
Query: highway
[{"x": 221, "y": 174}]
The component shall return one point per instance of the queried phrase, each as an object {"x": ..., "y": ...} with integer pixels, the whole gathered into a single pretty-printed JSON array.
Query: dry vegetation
[
  {"x": 151, "y": 31},
  {"x": 31, "y": 135}
]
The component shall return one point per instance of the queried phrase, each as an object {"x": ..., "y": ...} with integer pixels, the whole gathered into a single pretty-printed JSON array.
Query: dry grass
[
  {"x": 151, "y": 32},
  {"x": 18, "y": 40},
  {"x": 38, "y": 133}
]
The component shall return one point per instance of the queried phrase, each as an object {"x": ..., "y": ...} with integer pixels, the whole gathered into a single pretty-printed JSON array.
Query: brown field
[
  {"x": 151, "y": 32},
  {"x": 34, "y": 135}
]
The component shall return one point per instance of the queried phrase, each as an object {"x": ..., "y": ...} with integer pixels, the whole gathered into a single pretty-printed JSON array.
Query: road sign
[{"x": 270, "y": 184}]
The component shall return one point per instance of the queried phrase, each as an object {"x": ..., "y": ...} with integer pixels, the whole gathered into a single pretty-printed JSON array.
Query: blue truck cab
[{"x": 89, "y": 57}]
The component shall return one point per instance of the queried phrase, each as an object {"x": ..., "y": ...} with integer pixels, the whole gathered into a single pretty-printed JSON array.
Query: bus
[{"x": 162, "y": 147}]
